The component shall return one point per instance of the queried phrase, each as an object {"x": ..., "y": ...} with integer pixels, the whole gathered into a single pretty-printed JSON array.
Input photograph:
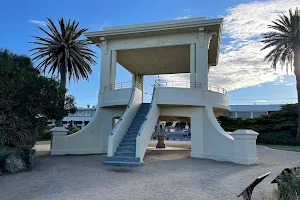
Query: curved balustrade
[
  {"x": 217, "y": 89},
  {"x": 178, "y": 84},
  {"x": 122, "y": 85},
  {"x": 187, "y": 84}
]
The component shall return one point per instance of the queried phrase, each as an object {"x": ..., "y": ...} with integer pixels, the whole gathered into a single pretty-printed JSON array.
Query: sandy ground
[{"x": 164, "y": 175}]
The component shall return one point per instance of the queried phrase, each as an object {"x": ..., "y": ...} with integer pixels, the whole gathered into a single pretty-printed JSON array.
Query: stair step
[
  {"x": 123, "y": 158},
  {"x": 124, "y": 154},
  {"x": 134, "y": 129},
  {"x": 135, "y": 133},
  {"x": 122, "y": 164},
  {"x": 127, "y": 145},
  {"x": 131, "y": 134},
  {"x": 130, "y": 137},
  {"x": 129, "y": 140},
  {"x": 125, "y": 149}
]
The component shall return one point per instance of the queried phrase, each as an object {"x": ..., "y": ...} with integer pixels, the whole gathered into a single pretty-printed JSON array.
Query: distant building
[
  {"x": 251, "y": 111},
  {"x": 80, "y": 118},
  {"x": 84, "y": 115}
]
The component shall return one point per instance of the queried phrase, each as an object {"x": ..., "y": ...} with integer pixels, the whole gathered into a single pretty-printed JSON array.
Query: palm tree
[
  {"x": 285, "y": 41},
  {"x": 63, "y": 53}
]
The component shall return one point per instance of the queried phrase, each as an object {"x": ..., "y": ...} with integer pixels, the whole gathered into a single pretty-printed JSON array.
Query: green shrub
[
  {"x": 73, "y": 130},
  {"x": 27, "y": 101},
  {"x": 46, "y": 135},
  {"x": 277, "y": 138},
  {"x": 278, "y": 127}
]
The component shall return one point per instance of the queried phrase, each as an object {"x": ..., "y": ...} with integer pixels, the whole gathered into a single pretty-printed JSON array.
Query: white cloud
[
  {"x": 37, "y": 22},
  {"x": 261, "y": 101},
  {"x": 241, "y": 61},
  {"x": 184, "y": 17}
]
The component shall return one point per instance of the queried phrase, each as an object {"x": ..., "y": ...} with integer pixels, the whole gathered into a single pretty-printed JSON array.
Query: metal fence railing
[
  {"x": 178, "y": 84},
  {"x": 122, "y": 85},
  {"x": 217, "y": 89}
]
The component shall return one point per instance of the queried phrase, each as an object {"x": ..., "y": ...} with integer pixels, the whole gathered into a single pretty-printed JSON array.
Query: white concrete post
[
  {"x": 251, "y": 115},
  {"x": 192, "y": 65},
  {"x": 202, "y": 59},
  {"x": 113, "y": 67},
  {"x": 197, "y": 133},
  {"x": 235, "y": 115},
  {"x": 58, "y": 142},
  {"x": 245, "y": 147},
  {"x": 105, "y": 66}
]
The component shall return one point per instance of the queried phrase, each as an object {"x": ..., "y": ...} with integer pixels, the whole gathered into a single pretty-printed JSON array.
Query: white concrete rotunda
[{"x": 170, "y": 47}]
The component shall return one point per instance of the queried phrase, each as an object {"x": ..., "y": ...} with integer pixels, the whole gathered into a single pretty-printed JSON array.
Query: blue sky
[{"x": 240, "y": 70}]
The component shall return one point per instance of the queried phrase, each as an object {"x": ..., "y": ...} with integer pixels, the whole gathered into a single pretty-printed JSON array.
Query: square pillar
[
  {"x": 105, "y": 67},
  {"x": 197, "y": 133},
  {"x": 58, "y": 141},
  {"x": 113, "y": 67},
  {"x": 245, "y": 147},
  {"x": 192, "y": 65},
  {"x": 202, "y": 59}
]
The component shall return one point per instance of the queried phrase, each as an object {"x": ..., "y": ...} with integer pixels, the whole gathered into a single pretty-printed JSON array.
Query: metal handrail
[
  {"x": 186, "y": 84},
  {"x": 178, "y": 84},
  {"x": 151, "y": 105},
  {"x": 217, "y": 89},
  {"x": 122, "y": 85},
  {"x": 121, "y": 118}
]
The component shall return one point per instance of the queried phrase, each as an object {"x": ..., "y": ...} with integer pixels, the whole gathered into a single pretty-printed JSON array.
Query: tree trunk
[
  {"x": 63, "y": 81},
  {"x": 297, "y": 73}
]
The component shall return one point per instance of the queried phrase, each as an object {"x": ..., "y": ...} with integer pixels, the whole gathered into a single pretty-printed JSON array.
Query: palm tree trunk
[
  {"x": 63, "y": 81},
  {"x": 297, "y": 73}
]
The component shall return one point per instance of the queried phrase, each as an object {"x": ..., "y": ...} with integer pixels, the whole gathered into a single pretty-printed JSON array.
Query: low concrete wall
[
  {"x": 116, "y": 97},
  {"x": 191, "y": 97}
]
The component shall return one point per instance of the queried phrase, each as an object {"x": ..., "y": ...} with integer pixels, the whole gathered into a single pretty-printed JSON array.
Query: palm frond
[
  {"x": 284, "y": 39},
  {"x": 63, "y": 51}
]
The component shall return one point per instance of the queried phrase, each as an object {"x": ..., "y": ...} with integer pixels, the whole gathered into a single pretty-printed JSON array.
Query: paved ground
[{"x": 165, "y": 175}]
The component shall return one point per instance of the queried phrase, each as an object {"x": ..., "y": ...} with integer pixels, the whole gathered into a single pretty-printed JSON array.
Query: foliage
[
  {"x": 63, "y": 52},
  {"x": 46, "y": 135},
  {"x": 73, "y": 130},
  {"x": 27, "y": 102},
  {"x": 288, "y": 186},
  {"x": 285, "y": 38},
  {"x": 17, "y": 60},
  {"x": 278, "y": 127},
  {"x": 285, "y": 41}
]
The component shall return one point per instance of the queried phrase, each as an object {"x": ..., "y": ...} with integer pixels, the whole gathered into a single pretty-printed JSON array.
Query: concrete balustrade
[
  {"x": 58, "y": 143},
  {"x": 245, "y": 147}
]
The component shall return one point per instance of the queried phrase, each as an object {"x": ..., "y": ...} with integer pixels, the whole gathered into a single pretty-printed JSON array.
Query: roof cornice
[{"x": 152, "y": 27}]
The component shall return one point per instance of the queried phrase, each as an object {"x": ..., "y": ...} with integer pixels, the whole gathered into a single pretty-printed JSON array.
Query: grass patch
[
  {"x": 43, "y": 142},
  {"x": 283, "y": 147}
]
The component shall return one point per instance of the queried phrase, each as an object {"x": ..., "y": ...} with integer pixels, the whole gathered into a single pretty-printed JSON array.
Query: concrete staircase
[{"x": 125, "y": 154}]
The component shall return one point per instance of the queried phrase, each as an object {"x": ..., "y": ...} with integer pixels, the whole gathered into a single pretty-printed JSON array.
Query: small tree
[{"x": 27, "y": 102}]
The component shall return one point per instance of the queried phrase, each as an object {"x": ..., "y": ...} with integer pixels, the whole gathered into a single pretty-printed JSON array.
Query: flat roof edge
[{"x": 156, "y": 26}]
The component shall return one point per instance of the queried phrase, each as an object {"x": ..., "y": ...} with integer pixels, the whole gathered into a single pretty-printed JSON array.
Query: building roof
[
  {"x": 270, "y": 107},
  {"x": 164, "y": 28}
]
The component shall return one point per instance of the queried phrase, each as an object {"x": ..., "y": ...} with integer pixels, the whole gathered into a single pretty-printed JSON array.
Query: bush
[
  {"x": 277, "y": 138},
  {"x": 73, "y": 130},
  {"x": 278, "y": 127},
  {"x": 288, "y": 186},
  {"x": 27, "y": 101},
  {"x": 46, "y": 135}
]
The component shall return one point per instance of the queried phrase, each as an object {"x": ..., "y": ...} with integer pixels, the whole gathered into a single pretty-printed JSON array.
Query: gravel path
[{"x": 165, "y": 175}]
